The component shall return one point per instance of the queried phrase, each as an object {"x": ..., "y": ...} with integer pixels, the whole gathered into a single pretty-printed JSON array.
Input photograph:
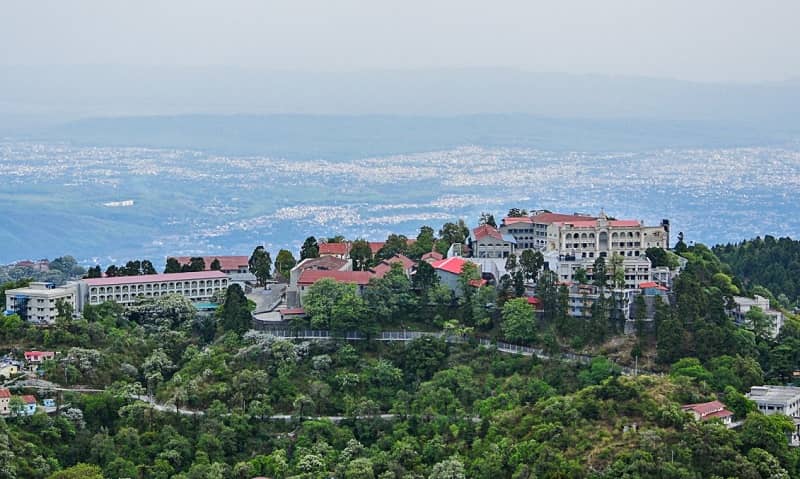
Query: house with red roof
[
  {"x": 338, "y": 250},
  {"x": 486, "y": 241},
  {"x": 5, "y": 401},
  {"x": 37, "y": 357},
  {"x": 432, "y": 257},
  {"x": 449, "y": 270},
  {"x": 358, "y": 278},
  {"x": 709, "y": 410},
  {"x": 385, "y": 266},
  {"x": 28, "y": 405}
]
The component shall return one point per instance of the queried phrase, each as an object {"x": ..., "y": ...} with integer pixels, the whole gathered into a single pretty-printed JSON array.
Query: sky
[{"x": 706, "y": 41}]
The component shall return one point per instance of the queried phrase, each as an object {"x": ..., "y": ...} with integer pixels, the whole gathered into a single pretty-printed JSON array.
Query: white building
[
  {"x": 743, "y": 306},
  {"x": 486, "y": 241},
  {"x": 197, "y": 286},
  {"x": 776, "y": 399},
  {"x": 37, "y": 302}
]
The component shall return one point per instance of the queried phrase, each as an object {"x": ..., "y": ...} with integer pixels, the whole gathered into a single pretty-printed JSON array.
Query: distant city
[{"x": 103, "y": 204}]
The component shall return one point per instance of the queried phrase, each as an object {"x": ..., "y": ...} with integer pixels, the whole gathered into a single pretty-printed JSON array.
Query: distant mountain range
[{"x": 245, "y": 111}]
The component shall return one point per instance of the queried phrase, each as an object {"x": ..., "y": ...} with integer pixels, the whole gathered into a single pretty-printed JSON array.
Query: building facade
[
  {"x": 776, "y": 400},
  {"x": 743, "y": 305},
  {"x": 486, "y": 241},
  {"x": 196, "y": 286},
  {"x": 37, "y": 302}
]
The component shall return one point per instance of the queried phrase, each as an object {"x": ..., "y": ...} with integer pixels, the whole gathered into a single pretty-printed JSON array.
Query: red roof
[
  {"x": 547, "y": 218},
  {"x": 376, "y": 246},
  {"x": 650, "y": 285},
  {"x": 39, "y": 354},
  {"x": 452, "y": 265},
  {"x": 510, "y": 220},
  {"x": 706, "y": 409},
  {"x": 533, "y": 300},
  {"x": 477, "y": 283},
  {"x": 357, "y": 277},
  {"x": 483, "y": 231},
  {"x": 433, "y": 255},
  {"x": 152, "y": 278},
  {"x": 226, "y": 263},
  {"x": 5, "y": 393},
  {"x": 28, "y": 399},
  {"x": 339, "y": 249},
  {"x": 292, "y": 311}
]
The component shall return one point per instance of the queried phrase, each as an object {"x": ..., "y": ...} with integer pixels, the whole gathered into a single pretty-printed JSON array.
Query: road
[{"x": 266, "y": 298}]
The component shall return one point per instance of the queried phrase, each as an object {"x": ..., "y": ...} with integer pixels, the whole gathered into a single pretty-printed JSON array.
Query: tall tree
[
  {"x": 424, "y": 243},
  {"x": 147, "y": 267},
  {"x": 310, "y": 248},
  {"x": 215, "y": 265},
  {"x": 519, "y": 322},
  {"x": 284, "y": 262},
  {"x": 599, "y": 272},
  {"x": 360, "y": 255},
  {"x": 234, "y": 314},
  {"x": 487, "y": 219},
  {"x": 172, "y": 266},
  {"x": 260, "y": 264},
  {"x": 617, "y": 270},
  {"x": 424, "y": 278},
  {"x": 531, "y": 262},
  {"x": 395, "y": 244}
]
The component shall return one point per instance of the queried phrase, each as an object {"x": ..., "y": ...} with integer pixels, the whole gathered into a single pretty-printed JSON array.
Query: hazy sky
[{"x": 707, "y": 40}]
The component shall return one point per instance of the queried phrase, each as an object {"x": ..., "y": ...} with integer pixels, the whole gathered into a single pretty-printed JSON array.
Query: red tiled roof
[
  {"x": 510, "y": 220},
  {"x": 483, "y": 231},
  {"x": 705, "y": 409},
  {"x": 533, "y": 300},
  {"x": 226, "y": 263},
  {"x": 151, "y": 278},
  {"x": 340, "y": 249},
  {"x": 28, "y": 399},
  {"x": 721, "y": 414},
  {"x": 292, "y": 311},
  {"x": 477, "y": 283},
  {"x": 592, "y": 223},
  {"x": 5, "y": 393},
  {"x": 38, "y": 354},
  {"x": 356, "y": 277},
  {"x": 451, "y": 265},
  {"x": 433, "y": 255},
  {"x": 547, "y": 218},
  {"x": 650, "y": 285},
  {"x": 376, "y": 246},
  {"x": 386, "y": 265}
]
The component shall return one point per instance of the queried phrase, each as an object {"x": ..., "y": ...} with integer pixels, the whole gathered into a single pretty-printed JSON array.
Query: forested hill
[{"x": 768, "y": 262}]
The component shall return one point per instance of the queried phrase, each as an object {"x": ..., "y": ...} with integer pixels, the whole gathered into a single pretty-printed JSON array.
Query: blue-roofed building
[{"x": 486, "y": 241}]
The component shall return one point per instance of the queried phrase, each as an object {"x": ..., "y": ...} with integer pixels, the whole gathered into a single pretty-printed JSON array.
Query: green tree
[
  {"x": 423, "y": 244},
  {"x": 284, "y": 262},
  {"x": 310, "y": 248},
  {"x": 599, "y": 272},
  {"x": 260, "y": 264},
  {"x": 360, "y": 255},
  {"x": 760, "y": 323},
  {"x": 172, "y": 266},
  {"x": 519, "y": 321},
  {"x": 79, "y": 471},
  {"x": 215, "y": 266},
  {"x": 487, "y": 219},
  {"x": 580, "y": 275},
  {"x": 234, "y": 314},
  {"x": 424, "y": 278},
  {"x": 531, "y": 262},
  {"x": 394, "y": 245}
]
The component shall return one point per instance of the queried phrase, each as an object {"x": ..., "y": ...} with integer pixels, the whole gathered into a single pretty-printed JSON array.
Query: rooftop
[
  {"x": 356, "y": 277},
  {"x": 28, "y": 399},
  {"x": 452, "y": 265},
  {"x": 340, "y": 249},
  {"x": 154, "y": 278},
  {"x": 774, "y": 393},
  {"x": 323, "y": 262},
  {"x": 5, "y": 393}
]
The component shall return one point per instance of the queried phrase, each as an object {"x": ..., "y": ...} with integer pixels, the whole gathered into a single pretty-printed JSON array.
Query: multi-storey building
[
  {"x": 37, "y": 302},
  {"x": 569, "y": 242},
  {"x": 743, "y": 305},
  {"x": 197, "y": 286},
  {"x": 227, "y": 264},
  {"x": 486, "y": 241}
]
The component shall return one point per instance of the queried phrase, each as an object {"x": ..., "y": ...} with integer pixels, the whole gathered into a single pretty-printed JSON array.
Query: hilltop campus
[{"x": 569, "y": 245}]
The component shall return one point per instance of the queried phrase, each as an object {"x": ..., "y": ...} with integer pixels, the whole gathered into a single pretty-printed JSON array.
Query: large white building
[
  {"x": 743, "y": 305},
  {"x": 776, "y": 400},
  {"x": 197, "y": 286},
  {"x": 569, "y": 242},
  {"x": 37, "y": 302}
]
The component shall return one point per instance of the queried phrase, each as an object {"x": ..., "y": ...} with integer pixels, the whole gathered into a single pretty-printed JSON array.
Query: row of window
[
  {"x": 126, "y": 297},
  {"x": 156, "y": 286}
]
